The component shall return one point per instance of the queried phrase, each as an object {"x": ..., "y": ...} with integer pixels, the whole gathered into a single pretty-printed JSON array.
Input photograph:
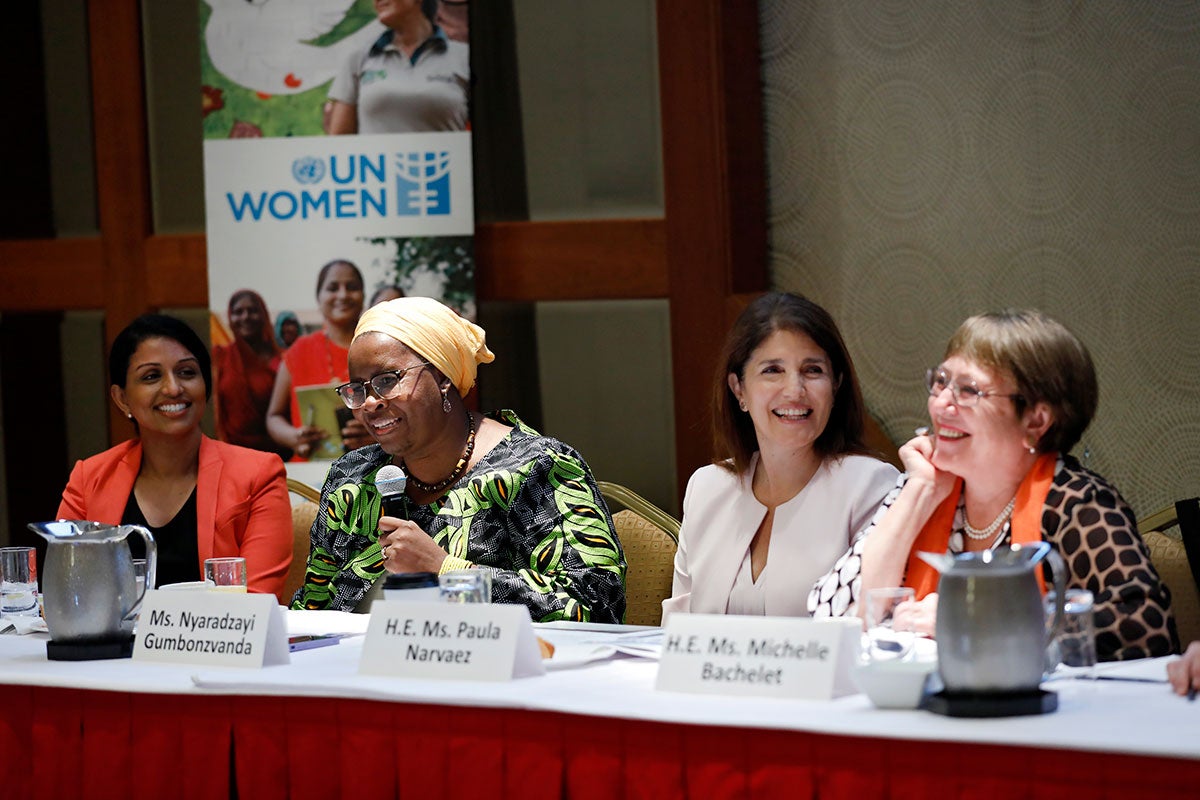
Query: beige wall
[{"x": 932, "y": 160}]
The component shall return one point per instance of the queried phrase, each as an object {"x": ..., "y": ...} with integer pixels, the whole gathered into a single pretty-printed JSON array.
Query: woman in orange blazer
[{"x": 199, "y": 497}]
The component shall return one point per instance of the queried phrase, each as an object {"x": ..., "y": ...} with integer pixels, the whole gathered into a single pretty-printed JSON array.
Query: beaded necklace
[{"x": 459, "y": 468}]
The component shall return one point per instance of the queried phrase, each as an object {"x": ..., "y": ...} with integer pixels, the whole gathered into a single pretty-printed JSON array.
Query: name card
[
  {"x": 768, "y": 656},
  {"x": 450, "y": 641},
  {"x": 210, "y": 628}
]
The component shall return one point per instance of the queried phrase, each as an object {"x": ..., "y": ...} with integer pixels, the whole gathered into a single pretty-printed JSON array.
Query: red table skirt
[{"x": 64, "y": 743}]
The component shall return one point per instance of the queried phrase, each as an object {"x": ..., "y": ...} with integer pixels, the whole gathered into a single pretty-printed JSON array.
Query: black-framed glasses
[
  {"x": 966, "y": 394},
  {"x": 385, "y": 386}
]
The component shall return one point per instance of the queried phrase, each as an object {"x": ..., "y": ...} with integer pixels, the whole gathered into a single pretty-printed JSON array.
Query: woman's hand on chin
[
  {"x": 917, "y": 456},
  {"x": 407, "y": 548}
]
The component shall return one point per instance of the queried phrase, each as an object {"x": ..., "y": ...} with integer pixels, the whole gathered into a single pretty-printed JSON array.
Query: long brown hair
[{"x": 734, "y": 437}]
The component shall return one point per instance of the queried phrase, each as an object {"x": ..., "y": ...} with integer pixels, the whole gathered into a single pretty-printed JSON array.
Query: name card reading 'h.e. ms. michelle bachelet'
[
  {"x": 769, "y": 656},
  {"x": 450, "y": 641},
  {"x": 210, "y": 628}
]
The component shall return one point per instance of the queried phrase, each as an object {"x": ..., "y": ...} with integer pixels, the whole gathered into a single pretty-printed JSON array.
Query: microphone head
[{"x": 390, "y": 480}]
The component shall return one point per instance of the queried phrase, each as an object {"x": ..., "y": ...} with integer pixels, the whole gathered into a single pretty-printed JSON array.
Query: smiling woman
[
  {"x": 199, "y": 497},
  {"x": 482, "y": 492},
  {"x": 1013, "y": 394},
  {"x": 412, "y": 79},
  {"x": 791, "y": 482},
  {"x": 318, "y": 360},
  {"x": 244, "y": 373}
]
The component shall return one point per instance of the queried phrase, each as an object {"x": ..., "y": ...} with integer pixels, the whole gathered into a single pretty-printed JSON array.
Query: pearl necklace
[
  {"x": 434, "y": 488},
  {"x": 985, "y": 533}
]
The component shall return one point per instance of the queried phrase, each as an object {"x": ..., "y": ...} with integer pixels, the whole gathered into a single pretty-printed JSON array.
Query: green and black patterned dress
[{"x": 529, "y": 510}]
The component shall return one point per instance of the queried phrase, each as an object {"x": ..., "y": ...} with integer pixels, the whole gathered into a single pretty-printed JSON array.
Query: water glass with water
[
  {"x": 139, "y": 575},
  {"x": 227, "y": 574},
  {"x": 466, "y": 586},
  {"x": 18, "y": 582},
  {"x": 887, "y": 639},
  {"x": 1075, "y": 645}
]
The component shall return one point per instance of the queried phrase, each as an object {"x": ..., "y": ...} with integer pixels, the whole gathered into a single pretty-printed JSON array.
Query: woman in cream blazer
[{"x": 792, "y": 483}]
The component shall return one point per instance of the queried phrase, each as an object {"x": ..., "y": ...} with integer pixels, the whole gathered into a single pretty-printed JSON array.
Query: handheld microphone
[{"x": 390, "y": 481}]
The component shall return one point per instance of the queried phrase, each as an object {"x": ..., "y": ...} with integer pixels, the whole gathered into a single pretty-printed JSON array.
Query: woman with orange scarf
[
  {"x": 244, "y": 371},
  {"x": 1009, "y": 400}
]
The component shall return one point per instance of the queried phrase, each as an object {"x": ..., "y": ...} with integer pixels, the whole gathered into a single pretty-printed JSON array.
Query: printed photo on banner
[
  {"x": 304, "y": 229},
  {"x": 288, "y": 68}
]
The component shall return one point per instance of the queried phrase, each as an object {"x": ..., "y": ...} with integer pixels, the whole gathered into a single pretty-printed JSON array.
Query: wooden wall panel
[
  {"x": 177, "y": 271},
  {"x": 715, "y": 191},
  {"x": 122, "y": 165},
  {"x": 592, "y": 260},
  {"x": 51, "y": 274}
]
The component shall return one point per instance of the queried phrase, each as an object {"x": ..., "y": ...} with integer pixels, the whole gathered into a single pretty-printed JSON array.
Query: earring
[
  {"x": 742, "y": 405},
  {"x": 130, "y": 415},
  {"x": 445, "y": 401},
  {"x": 1032, "y": 449}
]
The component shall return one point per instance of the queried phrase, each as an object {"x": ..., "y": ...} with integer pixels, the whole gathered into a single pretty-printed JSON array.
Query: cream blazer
[{"x": 811, "y": 531}]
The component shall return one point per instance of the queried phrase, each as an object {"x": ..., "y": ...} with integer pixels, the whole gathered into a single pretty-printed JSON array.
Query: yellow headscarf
[{"x": 433, "y": 331}]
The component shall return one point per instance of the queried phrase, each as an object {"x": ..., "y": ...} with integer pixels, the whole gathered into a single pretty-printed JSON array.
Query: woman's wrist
[{"x": 451, "y": 563}]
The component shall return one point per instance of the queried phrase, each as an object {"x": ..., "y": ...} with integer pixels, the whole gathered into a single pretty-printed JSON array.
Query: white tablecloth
[{"x": 1106, "y": 716}]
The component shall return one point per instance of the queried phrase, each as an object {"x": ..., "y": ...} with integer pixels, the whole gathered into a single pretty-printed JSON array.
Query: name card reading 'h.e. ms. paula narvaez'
[
  {"x": 212, "y": 629},
  {"x": 450, "y": 641},
  {"x": 769, "y": 656}
]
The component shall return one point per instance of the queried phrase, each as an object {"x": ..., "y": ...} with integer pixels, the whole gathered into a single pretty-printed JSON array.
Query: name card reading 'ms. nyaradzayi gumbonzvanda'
[
  {"x": 212, "y": 629},
  {"x": 450, "y": 641},
  {"x": 769, "y": 656}
]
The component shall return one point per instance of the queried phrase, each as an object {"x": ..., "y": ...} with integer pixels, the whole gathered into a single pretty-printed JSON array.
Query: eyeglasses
[
  {"x": 966, "y": 394},
  {"x": 385, "y": 386}
]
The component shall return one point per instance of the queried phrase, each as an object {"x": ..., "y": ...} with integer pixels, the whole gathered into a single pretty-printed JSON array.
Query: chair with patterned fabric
[
  {"x": 1177, "y": 559},
  {"x": 304, "y": 510},
  {"x": 649, "y": 537}
]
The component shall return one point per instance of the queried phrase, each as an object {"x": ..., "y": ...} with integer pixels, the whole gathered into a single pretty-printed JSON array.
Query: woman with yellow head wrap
[{"x": 482, "y": 492}]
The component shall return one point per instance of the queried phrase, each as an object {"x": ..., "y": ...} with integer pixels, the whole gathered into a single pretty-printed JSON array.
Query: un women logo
[
  {"x": 423, "y": 184},
  {"x": 308, "y": 169}
]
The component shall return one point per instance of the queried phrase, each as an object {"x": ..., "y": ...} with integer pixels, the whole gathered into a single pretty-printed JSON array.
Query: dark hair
[
  {"x": 1048, "y": 363},
  {"x": 156, "y": 326},
  {"x": 387, "y": 287},
  {"x": 733, "y": 430},
  {"x": 267, "y": 332},
  {"x": 430, "y": 9},
  {"x": 325, "y": 272}
]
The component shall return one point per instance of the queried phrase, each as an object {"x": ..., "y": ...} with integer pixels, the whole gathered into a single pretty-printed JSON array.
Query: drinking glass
[
  {"x": 888, "y": 640},
  {"x": 227, "y": 574},
  {"x": 1075, "y": 645},
  {"x": 466, "y": 586},
  {"x": 18, "y": 582},
  {"x": 139, "y": 575}
]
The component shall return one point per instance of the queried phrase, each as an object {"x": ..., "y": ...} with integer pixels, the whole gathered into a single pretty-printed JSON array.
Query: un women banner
[
  {"x": 277, "y": 205},
  {"x": 307, "y": 227}
]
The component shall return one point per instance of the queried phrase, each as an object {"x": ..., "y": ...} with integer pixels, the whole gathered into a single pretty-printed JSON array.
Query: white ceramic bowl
[{"x": 893, "y": 684}]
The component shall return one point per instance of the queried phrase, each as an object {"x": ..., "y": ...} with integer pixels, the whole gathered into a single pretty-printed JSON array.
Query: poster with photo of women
[{"x": 306, "y": 226}]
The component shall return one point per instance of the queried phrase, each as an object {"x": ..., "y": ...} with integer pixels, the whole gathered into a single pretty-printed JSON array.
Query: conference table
[{"x": 316, "y": 728}]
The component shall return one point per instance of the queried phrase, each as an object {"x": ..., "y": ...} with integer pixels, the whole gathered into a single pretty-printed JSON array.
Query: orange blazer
[{"x": 242, "y": 505}]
